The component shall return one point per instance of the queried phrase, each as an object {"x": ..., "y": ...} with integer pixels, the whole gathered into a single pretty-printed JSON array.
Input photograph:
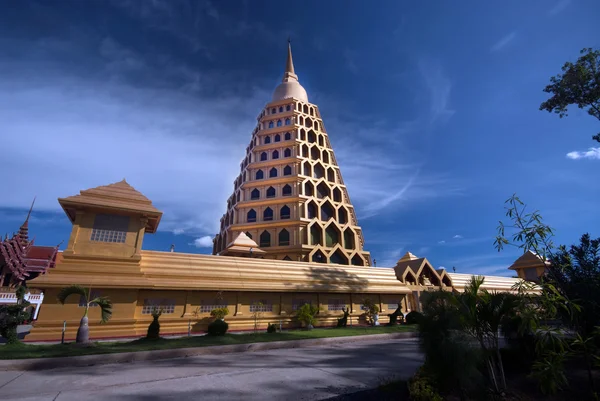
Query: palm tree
[{"x": 83, "y": 332}]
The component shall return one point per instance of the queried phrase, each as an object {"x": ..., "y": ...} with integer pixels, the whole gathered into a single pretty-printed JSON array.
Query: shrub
[
  {"x": 413, "y": 317},
  {"x": 306, "y": 314},
  {"x": 271, "y": 328},
  {"x": 154, "y": 327},
  {"x": 420, "y": 388},
  {"x": 218, "y": 328},
  {"x": 370, "y": 309},
  {"x": 219, "y": 313},
  {"x": 12, "y": 316}
]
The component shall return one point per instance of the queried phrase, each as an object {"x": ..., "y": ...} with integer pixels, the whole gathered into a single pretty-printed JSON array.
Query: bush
[
  {"x": 306, "y": 314},
  {"x": 219, "y": 313},
  {"x": 218, "y": 328},
  {"x": 12, "y": 316},
  {"x": 271, "y": 328},
  {"x": 413, "y": 317},
  {"x": 371, "y": 309},
  {"x": 154, "y": 327},
  {"x": 420, "y": 388}
]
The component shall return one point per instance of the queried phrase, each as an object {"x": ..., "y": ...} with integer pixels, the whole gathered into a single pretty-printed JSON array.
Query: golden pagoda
[{"x": 290, "y": 197}]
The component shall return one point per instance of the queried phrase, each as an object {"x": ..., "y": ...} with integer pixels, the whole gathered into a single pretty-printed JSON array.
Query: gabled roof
[
  {"x": 527, "y": 260},
  {"x": 242, "y": 244},
  {"x": 411, "y": 264},
  {"x": 119, "y": 196}
]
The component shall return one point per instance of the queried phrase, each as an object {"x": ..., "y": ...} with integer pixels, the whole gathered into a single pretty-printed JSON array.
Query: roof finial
[
  {"x": 30, "y": 209},
  {"x": 289, "y": 67}
]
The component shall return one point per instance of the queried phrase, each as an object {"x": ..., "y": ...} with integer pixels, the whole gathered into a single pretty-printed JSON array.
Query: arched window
[
  {"x": 284, "y": 237},
  {"x": 288, "y": 136},
  {"x": 268, "y": 214},
  {"x": 270, "y": 124},
  {"x": 284, "y": 213},
  {"x": 273, "y": 111},
  {"x": 260, "y": 175},
  {"x": 277, "y": 138},
  {"x": 288, "y": 108},
  {"x": 287, "y": 152},
  {"x": 267, "y": 140},
  {"x": 265, "y": 239},
  {"x": 263, "y": 156},
  {"x": 251, "y": 218},
  {"x": 288, "y": 121},
  {"x": 273, "y": 173},
  {"x": 271, "y": 192},
  {"x": 287, "y": 170},
  {"x": 287, "y": 190},
  {"x": 279, "y": 124},
  {"x": 281, "y": 109},
  {"x": 255, "y": 194},
  {"x": 275, "y": 154}
]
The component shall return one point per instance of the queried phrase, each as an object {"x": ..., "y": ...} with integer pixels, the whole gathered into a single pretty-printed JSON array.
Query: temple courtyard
[{"x": 313, "y": 373}]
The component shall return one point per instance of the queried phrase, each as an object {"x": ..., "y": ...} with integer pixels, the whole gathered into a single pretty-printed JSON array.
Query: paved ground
[{"x": 285, "y": 374}]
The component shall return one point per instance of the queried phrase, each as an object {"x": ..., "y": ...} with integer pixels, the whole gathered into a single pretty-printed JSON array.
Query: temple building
[{"x": 289, "y": 236}]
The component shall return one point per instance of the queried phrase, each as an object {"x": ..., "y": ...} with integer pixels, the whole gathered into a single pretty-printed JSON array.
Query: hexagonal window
[
  {"x": 306, "y": 169},
  {"x": 332, "y": 235},
  {"x": 323, "y": 191},
  {"x": 268, "y": 214},
  {"x": 311, "y": 210},
  {"x": 319, "y": 257},
  {"x": 312, "y": 137},
  {"x": 339, "y": 258},
  {"x": 327, "y": 211},
  {"x": 330, "y": 175},
  {"x": 315, "y": 154},
  {"x": 321, "y": 140},
  {"x": 305, "y": 109},
  {"x": 305, "y": 151},
  {"x": 337, "y": 195},
  {"x": 302, "y": 134},
  {"x": 318, "y": 171},
  {"x": 348, "y": 238},
  {"x": 357, "y": 260},
  {"x": 309, "y": 188},
  {"x": 325, "y": 157},
  {"x": 342, "y": 215},
  {"x": 316, "y": 235}
]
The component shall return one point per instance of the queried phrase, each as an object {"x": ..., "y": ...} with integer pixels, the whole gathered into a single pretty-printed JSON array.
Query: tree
[
  {"x": 11, "y": 316},
  {"x": 83, "y": 332},
  {"x": 578, "y": 84}
]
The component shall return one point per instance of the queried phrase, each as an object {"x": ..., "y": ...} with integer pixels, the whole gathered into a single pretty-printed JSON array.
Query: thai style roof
[
  {"x": 119, "y": 196},
  {"x": 244, "y": 245},
  {"x": 410, "y": 268},
  {"x": 529, "y": 259},
  {"x": 490, "y": 283}
]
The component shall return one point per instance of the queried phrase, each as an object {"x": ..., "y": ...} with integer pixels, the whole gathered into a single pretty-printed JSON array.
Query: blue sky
[{"x": 431, "y": 108}]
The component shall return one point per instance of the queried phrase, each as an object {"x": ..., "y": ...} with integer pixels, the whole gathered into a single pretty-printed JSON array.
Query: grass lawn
[{"x": 23, "y": 351}]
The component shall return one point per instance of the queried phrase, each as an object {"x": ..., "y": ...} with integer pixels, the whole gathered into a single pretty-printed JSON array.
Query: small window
[
  {"x": 275, "y": 154},
  {"x": 281, "y": 109},
  {"x": 268, "y": 214},
  {"x": 255, "y": 194},
  {"x": 273, "y": 111},
  {"x": 271, "y": 124},
  {"x": 287, "y": 153},
  {"x": 273, "y": 173},
  {"x": 260, "y": 175},
  {"x": 265, "y": 239},
  {"x": 110, "y": 228},
  {"x": 284, "y": 213},
  {"x": 271, "y": 192},
  {"x": 277, "y": 138},
  {"x": 288, "y": 136},
  {"x": 287, "y": 190},
  {"x": 166, "y": 305},
  {"x": 279, "y": 124},
  {"x": 288, "y": 121},
  {"x": 284, "y": 237},
  {"x": 208, "y": 306},
  {"x": 287, "y": 170},
  {"x": 263, "y": 156},
  {"x": 261, "y": 306},
  {"x": 267, "y": 140},
  {"x": 251, "y": 216},
  {"x": 336, "y": 304},
  {"x": 288, "y": 107}
]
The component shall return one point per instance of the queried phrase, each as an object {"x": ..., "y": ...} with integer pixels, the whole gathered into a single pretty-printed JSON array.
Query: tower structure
[{"x": 290, "y": 198}]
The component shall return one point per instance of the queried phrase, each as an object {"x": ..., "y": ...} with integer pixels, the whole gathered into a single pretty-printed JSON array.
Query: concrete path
[{"x": 313, "y": 373}]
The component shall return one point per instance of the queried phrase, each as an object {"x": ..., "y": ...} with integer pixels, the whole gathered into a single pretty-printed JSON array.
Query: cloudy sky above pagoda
[{"x": 432, "y": 111}]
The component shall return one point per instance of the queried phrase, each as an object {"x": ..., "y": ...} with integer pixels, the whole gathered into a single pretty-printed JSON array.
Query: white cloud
[
  {"x": 178, "y": 231},
  {"x": 441, "y": 242},
  {"x": 558, "y": 7},
  {"x": 591, "y": 153},
  {"x": 203, "y": 242},
  {"x": 457, "y": 236},
  {"x": 503, "y": 42}
]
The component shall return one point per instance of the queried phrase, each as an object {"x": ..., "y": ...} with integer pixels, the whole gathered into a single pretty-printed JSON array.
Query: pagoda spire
[
  {"x": 24, "y": 229},
  {"x": 290, "y": 74}
]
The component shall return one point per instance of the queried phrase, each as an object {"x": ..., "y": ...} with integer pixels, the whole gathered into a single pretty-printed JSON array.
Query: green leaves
[
  {"x": 579, "y": 84},
  {"x": 72, "y": 290}
]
